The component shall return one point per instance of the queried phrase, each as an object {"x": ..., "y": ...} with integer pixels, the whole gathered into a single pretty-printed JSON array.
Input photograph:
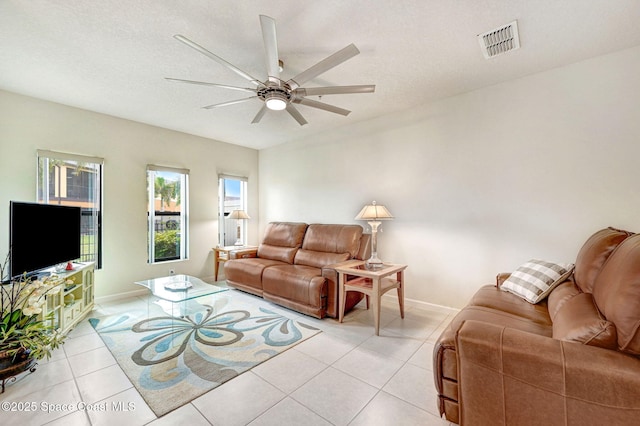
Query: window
[
  {"x": 75, "y": 180},
  {"x": 233, "y": 196},
  {"x": 167, "y": 190}
]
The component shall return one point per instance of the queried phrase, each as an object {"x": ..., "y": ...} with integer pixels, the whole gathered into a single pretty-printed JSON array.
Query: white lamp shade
[
  {"x": 238, "y": 214},
  {"x": 374, "y": 212}
]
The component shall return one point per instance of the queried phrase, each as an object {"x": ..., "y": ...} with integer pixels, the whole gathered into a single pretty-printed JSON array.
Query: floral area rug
[{"x": 172, "y": 360}]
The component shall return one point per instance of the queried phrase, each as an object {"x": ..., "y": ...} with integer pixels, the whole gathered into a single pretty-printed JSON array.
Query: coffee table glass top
[{"x": 179, "y": 288}]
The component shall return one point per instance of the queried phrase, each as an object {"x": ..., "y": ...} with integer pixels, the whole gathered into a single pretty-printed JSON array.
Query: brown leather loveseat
[
  {"x": 293, "y": 267},
  {"x": 571, "y": 359}
]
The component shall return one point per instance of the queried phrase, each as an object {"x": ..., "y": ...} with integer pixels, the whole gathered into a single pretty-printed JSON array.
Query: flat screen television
[{"x": 42, "y": 236}]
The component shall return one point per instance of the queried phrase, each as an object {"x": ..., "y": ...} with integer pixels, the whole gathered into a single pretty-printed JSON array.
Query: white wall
[
  {"x": 480, "y": 182},
  {"x": 28, "y": 124}
]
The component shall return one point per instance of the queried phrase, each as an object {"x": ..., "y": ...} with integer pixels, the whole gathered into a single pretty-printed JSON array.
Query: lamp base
[
  {"x": 239, "y": 235},
  {"x": 374, "y": 262}
]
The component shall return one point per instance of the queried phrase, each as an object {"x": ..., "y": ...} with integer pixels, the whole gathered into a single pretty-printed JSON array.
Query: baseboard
[
  {"x": 420, "y": 304},
  {"x": 407, "y": 302},
  {"x": 125, "y": 295}
]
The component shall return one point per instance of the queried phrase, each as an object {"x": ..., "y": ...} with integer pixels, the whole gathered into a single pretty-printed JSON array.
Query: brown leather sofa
[
  {"x": 293, "y": 267},
  {"x": 572, "y": 359}
]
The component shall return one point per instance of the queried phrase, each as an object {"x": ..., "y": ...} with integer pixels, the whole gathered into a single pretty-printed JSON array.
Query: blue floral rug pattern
[{"x": 172, "y": 360}]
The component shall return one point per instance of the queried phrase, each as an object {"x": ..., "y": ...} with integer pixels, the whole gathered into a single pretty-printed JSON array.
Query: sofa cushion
[
  {"x": 617, "y": 293},
  {"x": 284, "y": 234},
  {"x": 319, "y": 259},
  {"x": 594, "y": 253},
  {"x": 333, "y": 238},
  {"x": 578, "y": 320},
  {"x": 280, "y": 254},
  {"x": 282, "y": 240},
  {"x": 559, "y": 296},
  {"x": 247, "y": 272},
  {"x": 302, "y": 284},
  {"x": 490, "y": 296},
  {"x": 535, "y": 279}
]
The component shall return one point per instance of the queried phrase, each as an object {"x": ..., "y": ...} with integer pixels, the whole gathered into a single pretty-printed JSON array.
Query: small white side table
[{"x": 355, "y": 275}]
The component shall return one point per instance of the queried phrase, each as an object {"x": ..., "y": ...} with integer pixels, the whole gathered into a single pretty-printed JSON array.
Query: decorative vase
[{"x": 12, "y": 365}]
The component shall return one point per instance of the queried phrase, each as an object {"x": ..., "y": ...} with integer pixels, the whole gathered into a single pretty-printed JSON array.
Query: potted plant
[{"x": 25, "y": 336}]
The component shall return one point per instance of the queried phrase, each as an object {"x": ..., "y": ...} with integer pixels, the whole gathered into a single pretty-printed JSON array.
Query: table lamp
[
  {"x": 240, "y": 215},
  {"x": 373, "y": 214}
]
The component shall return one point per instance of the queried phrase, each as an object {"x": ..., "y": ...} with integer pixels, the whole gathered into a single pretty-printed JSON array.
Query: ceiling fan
[{"x": 278, "y": 94}]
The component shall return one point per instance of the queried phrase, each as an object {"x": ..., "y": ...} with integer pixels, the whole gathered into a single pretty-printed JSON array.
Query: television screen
[{"x": 42, "y": 235}]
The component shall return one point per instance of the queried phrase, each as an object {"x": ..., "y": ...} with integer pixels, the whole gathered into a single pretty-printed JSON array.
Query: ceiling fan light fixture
[
  {"x": 278, "y": 94},
  {"x": 275, "y": 101}
]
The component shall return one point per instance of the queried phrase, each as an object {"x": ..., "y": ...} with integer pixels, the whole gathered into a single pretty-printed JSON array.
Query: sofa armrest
[
  {"x": 508, "y": 376},
  {"x": 502, "y": 277},
  {"x": 329, "y": 273}
]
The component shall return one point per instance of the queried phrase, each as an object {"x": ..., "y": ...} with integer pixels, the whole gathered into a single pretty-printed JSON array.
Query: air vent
[{"x": 499, "y": 41}]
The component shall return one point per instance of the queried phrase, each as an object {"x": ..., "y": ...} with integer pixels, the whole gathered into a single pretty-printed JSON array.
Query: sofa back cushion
[
  {"x": 560, "y": 295},
  {"x": 333, "y": 238},
  {"x": 319, "y": 259},
  {"x": 364, "y": 252},
  {"x": 593, "y": 254},
  {"x": 327, "y": 244},
  {"x": 617, "y": 293},
  {"x": 282, "y": 240},
  {"x": 578, "y": 320}
]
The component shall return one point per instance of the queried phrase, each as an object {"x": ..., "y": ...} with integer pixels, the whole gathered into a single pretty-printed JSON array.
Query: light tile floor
[{"x": 345, "y": 375}]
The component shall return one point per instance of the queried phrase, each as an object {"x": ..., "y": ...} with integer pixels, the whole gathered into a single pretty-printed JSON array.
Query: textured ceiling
[{"x": 111, "y": 56}]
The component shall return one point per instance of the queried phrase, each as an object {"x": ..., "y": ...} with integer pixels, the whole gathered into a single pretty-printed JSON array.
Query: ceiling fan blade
[
  {"x": 268, "y": 25},
  {"x": 259, "y": 115},
  {"x": 325, "y": 65},
  {"x": 334, "y": 90},
  {"x": 238, "y": 101},
  {"x": 204, "y": 83},
  {"x": 296, "y": 114},
  {"x": 322, "y": 105},
  {"x": 216, "y": 58}
]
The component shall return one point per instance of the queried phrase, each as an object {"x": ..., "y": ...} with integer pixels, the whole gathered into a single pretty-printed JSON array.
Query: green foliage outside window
[{"x": 167, "y": 244}]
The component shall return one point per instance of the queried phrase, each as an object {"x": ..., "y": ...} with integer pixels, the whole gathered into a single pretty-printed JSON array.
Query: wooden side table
[
  {"x": 222, "y": 254},
  {"x": 354, "y": 275}
]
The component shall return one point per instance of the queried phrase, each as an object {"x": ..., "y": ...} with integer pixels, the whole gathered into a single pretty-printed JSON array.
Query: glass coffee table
[{"x": 176, "y": 291}]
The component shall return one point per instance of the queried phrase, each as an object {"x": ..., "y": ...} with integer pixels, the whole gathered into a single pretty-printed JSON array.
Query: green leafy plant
[
  {"x": 167, "y": 244},
  {"x": 22, "y": 328}
]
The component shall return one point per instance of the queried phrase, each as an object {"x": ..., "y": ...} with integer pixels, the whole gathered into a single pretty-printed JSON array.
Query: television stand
[{"x": 65, "y": 309}]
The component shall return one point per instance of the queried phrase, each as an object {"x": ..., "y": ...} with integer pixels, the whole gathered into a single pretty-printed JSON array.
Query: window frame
[
  {"x": 182, "y": 226},
  {"x": 42, "y": 195},
  {"x": 227, "y": 230}
]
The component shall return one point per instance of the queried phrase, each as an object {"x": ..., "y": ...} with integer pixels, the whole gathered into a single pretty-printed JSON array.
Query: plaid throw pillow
[{"x": 534, "y": 280}]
